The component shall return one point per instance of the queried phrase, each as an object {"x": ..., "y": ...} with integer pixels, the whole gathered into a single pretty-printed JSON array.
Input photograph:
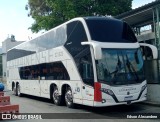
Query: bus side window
[
  {"x": 87, "y": 73},
  {"x": 86, "y": 69}
]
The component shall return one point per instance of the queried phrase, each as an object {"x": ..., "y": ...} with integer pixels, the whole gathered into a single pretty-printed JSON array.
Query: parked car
[{"x": 1, "y": 86}]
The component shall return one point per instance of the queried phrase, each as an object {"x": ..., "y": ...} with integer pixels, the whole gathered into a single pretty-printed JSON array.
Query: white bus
[{"x": 94, "y": 61}]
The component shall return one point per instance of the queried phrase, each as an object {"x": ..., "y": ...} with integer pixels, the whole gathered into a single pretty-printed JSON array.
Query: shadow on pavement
[{"x": 122, "y": 109}]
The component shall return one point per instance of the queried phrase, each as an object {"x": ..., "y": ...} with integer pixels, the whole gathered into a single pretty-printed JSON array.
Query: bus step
[
  {"x": 1, "y": 94},
  {"x": 9, "y": 109},
  {"x": 4, "y": 100}
]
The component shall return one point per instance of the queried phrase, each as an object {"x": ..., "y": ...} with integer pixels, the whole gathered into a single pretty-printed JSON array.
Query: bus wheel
[
  {"x": 69, "y": 98},
  {"x": 56, "y": 96},
  {"x": 18, "y": 90}
]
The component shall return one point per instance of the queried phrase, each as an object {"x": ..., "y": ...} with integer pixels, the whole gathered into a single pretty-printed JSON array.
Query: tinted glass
[
  {"x": 120, "y": 67},
  {"x": 110, "y": 30},
  {"x": 85, "y": 67},
  {"x": 75, "y": 35},
  {"x": 53, "y": 38},
  {"x": 46, "y": 71},
  {"x": 17, "y": 53},
  {"x": 81, "y": 54}
]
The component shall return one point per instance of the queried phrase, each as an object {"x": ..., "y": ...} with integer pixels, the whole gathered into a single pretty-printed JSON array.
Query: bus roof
[{"x": 78, "y": 18}]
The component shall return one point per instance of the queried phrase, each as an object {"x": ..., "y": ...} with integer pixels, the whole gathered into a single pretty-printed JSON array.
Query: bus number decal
[{"x": 58, "y": 54}]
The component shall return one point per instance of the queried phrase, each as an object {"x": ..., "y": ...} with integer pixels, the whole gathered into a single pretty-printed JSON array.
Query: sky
[{"x": 14, "y": 19}]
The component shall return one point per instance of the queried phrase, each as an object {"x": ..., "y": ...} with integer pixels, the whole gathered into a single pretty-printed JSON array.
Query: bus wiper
[
  {"x": 118, "y": 67},
  {"x": 131, "y": 68}
]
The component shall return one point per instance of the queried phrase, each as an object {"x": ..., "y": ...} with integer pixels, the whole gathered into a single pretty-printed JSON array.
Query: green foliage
[{"x": 50, "y": 13}]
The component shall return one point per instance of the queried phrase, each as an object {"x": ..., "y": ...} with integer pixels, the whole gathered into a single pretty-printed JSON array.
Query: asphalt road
[{"x": 31, "y": 104}]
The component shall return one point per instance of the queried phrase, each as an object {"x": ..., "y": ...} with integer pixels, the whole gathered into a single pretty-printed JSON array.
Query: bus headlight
[
  {"x": 107, "y": 91},
  {"x": 110, "y": 92}
]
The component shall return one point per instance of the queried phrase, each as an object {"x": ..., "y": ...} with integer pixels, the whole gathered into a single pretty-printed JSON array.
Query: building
[
  {"x": 145, "y": 22},
  {"x": 0, "y": 64},
  {"x": 6, "y": 45}
]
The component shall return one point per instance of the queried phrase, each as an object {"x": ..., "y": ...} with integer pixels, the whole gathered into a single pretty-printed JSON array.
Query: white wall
[
  {"x": 6, "y": 45},
  {"x": 4, "y": 63}
]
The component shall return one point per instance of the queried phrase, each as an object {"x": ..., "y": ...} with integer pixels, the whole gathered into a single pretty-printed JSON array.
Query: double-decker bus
[{"x": 94, "y": 61}]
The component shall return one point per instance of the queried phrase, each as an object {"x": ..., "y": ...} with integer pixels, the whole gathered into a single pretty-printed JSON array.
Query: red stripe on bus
[{"x": 97, "y": 92}]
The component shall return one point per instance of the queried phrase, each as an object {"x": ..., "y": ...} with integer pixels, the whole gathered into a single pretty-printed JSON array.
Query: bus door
[
  {"x": 88, "y": 82},
  {"x": 43, "y": 82},
  {"x": 43, "y": 85},
  {"x": 34, "y": 87},
  {"x": 33, "y": 80}
]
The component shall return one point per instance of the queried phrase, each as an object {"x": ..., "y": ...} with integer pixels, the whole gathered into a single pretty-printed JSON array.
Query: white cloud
[{"x": 20, "y": 34}]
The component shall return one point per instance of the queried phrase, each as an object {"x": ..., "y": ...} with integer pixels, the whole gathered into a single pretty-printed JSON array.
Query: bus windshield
[{"x": 120, "y": 67}]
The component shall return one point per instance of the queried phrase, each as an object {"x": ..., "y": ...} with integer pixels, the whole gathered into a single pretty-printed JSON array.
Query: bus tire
[
  {"x": 69, "y": 98},
  {"x": 18, "y": 90},
  {"x": 56, "y": 97}
]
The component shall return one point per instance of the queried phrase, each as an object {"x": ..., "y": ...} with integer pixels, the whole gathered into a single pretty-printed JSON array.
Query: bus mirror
[
  {"x": 97, "y": 52},
  {"x": 150, "y": 50},
  {"x": 96, "y": 48}
]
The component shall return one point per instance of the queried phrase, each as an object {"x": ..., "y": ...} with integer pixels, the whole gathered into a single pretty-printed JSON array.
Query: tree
[{"x": 50, "y": 13}]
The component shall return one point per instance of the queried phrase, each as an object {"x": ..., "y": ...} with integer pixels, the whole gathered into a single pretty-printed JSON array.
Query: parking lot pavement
[{"x": 36, "y": 105}]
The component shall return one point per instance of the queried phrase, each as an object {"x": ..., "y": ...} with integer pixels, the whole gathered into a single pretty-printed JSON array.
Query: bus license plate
[{"x": 128, "y": 98}]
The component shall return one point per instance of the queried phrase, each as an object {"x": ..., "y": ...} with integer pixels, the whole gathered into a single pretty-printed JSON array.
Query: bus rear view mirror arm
[
  {"x": 96, "y": 48},
  {"x": 153, "y": 48}
]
